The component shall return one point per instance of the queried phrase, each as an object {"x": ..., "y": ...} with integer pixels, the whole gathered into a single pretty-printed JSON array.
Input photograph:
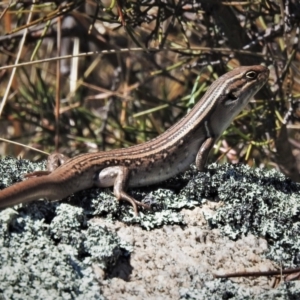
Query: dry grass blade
[{"x": 180, "y": 47}]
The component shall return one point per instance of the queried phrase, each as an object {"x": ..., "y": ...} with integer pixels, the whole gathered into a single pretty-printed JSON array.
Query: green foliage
[{"x": 171, "y": 52}]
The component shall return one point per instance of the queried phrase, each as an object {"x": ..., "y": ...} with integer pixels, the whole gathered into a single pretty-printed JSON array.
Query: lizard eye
[{"x": 251, "y": 75}]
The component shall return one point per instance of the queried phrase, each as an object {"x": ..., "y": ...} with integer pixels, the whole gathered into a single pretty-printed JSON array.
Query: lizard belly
[{"x": 162, "y": 170}]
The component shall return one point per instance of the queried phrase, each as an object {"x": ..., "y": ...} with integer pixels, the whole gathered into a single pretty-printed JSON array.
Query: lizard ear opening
[{"x": 230, "y": 98}]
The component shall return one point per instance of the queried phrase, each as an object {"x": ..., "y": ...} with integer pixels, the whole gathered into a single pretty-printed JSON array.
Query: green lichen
[
  {"x": 51, "y": 248},
  {"x": 262, "y": 202},
  {"x": 225, "y": 289}
]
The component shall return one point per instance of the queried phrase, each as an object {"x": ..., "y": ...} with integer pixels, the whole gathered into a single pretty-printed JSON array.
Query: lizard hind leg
[
  {"x": 53, "y": 162},
  {"x": 117, "y": 177}
]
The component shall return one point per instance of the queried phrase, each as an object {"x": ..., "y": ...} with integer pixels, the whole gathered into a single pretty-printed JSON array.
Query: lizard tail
[{"x": 33, "y": 188}]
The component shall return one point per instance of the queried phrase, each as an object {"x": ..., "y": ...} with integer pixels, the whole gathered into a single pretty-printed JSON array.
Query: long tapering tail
[{"x": 28, "y": 190}]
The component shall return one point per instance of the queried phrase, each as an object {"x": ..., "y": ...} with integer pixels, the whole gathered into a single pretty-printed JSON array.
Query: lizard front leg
[{"x": 203, "y": 153}]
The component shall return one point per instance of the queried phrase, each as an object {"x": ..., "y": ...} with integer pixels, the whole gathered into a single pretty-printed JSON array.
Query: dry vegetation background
[{"x": 95, "y": 75}]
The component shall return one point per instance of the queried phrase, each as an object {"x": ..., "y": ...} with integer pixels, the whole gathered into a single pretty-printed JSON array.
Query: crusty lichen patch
[
  {"x": 169, "y": 261},
  {"x": 91, "y": 246}
]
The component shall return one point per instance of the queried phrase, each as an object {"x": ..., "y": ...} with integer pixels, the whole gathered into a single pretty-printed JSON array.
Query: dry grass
[{"x": 154, "y": 60}]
